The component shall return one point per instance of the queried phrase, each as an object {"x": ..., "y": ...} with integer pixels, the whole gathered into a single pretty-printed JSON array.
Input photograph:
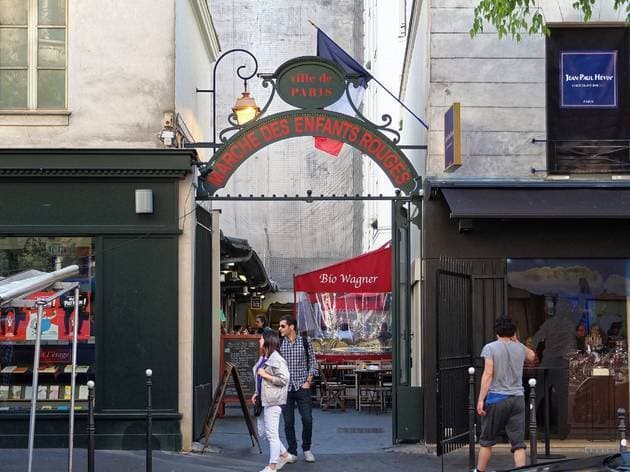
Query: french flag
[{"x": 328, "y": 49}]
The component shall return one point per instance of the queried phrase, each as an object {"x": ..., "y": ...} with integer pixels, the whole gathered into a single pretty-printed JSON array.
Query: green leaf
[{"x": 518, "y": 17}]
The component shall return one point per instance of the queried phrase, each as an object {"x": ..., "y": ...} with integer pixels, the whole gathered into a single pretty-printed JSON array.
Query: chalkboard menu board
[{"x": 243, "y": 352}]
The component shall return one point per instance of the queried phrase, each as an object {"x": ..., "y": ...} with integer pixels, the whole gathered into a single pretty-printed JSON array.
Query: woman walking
[{"x": 272, "y": 383}]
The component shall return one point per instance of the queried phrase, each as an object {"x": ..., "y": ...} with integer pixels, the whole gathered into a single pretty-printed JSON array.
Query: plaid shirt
[{"x": 296, "y": 359}]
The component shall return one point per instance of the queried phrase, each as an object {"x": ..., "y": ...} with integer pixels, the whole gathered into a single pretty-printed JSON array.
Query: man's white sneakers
[{"x": 291, "y": 459}]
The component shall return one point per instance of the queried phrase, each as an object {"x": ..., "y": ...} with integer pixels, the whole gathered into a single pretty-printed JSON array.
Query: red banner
[{"x": 368, "y": 273}]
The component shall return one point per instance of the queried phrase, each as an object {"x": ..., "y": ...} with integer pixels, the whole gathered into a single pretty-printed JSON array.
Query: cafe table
[{"x": 365, "y": 373}]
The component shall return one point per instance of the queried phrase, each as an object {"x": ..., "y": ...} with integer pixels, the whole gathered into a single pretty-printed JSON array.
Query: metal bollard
[
  {"x": 149, "y": 374},
  {"x": 471, "y": 418},
  {"x": 621, "y": 416},
  {"x": 91, "y": 428},
  {"x": 533, "y": 446}
]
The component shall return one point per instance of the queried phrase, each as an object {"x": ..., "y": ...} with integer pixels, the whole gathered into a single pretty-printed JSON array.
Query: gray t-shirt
[{"x": 508, "y": 359}]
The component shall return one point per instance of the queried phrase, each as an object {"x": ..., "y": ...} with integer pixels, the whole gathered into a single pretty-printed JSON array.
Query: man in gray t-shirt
[{"x": 501, "y": 404}]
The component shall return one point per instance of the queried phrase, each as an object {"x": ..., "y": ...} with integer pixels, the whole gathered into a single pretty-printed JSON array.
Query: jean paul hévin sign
[
  {"x": 310, "y": 84},
  {"x": 588, "y": 79}
]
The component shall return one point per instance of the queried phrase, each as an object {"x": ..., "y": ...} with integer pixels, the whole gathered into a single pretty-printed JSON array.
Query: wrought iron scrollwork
[
  {"x": 241, "y": 72},
  {"x": 223, "y": 134},
  {"x": 267, "y": 81},
  {"x": 387, "y": 119}
]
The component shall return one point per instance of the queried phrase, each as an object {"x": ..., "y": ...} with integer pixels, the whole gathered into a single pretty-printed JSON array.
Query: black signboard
[
  {"x": 229, "y": 372},
  {"x": 588, "y": 100},
  {"x": 242, "y": 351}
]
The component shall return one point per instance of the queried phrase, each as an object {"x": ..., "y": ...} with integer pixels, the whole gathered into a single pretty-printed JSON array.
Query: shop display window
[
  {"x": 18, "y": 326},
  {"x": 574, "y": 314},
  {"x": 346, "y": 322}
]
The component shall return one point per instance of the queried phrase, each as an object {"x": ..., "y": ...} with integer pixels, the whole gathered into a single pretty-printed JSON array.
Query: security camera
[{"x": 167, "y": 136}]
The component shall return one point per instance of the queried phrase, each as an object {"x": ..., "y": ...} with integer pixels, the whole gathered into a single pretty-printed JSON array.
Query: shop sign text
[
  {"x": 316, "y": 123},
  {"x": 310, "y": 82}
]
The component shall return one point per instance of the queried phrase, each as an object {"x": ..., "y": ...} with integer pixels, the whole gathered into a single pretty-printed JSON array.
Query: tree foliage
[{"x": 515, "y": 18}]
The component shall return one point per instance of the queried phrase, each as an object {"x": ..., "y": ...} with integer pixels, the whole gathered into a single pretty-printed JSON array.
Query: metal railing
[{"x": 588, "y": 156}]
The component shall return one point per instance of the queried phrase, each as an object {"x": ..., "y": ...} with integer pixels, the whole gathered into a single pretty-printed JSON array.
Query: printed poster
[{"x": 17, "y": 324}]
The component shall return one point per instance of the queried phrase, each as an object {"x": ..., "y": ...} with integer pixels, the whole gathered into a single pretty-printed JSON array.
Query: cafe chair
[
  {"x": 375, "y": 388},
  {"x": 332, "y": 394},
  {"x": 371, "y": 395},
  {"x": 385, "y": 381}
]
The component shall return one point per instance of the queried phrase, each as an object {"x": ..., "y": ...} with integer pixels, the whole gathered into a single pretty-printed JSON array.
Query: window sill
[{"x": 34, "y": 117}]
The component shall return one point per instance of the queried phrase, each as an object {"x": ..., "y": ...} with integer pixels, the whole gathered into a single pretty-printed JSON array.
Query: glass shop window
[
  {"x": 574, "y": 314},
  {"x": 27, "y": 256}
]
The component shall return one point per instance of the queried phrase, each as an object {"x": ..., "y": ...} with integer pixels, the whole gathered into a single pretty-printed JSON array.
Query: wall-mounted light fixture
[
  {"x": 144, "y": 200},
  {"x": 245, "y": 108}
]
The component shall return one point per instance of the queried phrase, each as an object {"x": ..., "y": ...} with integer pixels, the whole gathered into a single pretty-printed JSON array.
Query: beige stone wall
[
  {"x": 120, "y": 78},
  {"x": 501, "y": 87}
]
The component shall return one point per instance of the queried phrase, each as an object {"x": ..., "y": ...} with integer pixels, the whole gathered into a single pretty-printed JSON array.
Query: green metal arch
[{"x": 298, "y": 123}]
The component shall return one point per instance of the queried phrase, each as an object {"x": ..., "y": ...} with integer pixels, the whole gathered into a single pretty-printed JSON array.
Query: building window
[
  {"x": 33, "y": 54},
  {"x": 574, "y": 314},
  {"x": 18, "y": 323},
  {"x": 588, "y": 101}
]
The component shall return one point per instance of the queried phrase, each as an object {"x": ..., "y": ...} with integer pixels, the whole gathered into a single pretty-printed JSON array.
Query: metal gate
[
  {"x": 467, "y": 306},
  {"x": 454, "y": 344}
]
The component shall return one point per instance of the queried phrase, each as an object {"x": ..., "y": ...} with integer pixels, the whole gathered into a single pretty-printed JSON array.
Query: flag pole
[{"x": 375, "y": 80}]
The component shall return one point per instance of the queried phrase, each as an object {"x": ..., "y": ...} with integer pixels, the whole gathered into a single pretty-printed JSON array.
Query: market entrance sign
[{"x": 298, "y": 123}]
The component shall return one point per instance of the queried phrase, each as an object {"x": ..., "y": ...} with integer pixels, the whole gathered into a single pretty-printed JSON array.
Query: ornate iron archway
[
  {"x": 280, "y": 126},
  {"x": 309, "y": 84}
]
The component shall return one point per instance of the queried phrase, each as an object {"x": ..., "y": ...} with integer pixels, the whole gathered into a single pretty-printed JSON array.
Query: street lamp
[{"x": 246, "y": 109}]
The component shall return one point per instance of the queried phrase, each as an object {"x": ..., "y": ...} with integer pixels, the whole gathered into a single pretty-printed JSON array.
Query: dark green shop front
[{"x": 58, "y": 205}]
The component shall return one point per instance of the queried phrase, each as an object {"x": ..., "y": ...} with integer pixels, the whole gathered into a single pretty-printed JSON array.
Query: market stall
[{"x": 345, "y": 308}]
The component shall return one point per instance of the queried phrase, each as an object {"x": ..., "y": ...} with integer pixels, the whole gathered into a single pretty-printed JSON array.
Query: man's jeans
[{"x": 305, "y": 405}]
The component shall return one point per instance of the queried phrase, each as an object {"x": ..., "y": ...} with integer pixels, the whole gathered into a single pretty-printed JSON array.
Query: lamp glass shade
[{"x": 246, "y": 109}]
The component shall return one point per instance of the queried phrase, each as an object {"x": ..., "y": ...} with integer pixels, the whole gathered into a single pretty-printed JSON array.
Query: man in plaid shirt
[{"x": 302, "y": 369}]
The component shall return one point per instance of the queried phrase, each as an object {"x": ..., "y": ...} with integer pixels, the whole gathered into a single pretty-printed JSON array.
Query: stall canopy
[{"x": 345, "y": 307}]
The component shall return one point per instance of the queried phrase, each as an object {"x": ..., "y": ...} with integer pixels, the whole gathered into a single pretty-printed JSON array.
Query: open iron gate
[
  {"x": 467, "y": 306},
  {"x": 454, "y": 344}
]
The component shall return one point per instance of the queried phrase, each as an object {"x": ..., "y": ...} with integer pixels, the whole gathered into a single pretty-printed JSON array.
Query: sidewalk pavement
[
  {"x": 55, "y": 460},
  {"x": 342, "y": 441}
]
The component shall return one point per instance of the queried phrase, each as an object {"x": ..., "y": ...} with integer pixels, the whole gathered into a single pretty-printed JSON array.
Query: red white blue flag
[{"x": 328, "y": 49}]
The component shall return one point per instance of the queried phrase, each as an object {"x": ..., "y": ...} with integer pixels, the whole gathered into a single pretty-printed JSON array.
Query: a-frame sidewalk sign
[{"x": 217, "y": 401}]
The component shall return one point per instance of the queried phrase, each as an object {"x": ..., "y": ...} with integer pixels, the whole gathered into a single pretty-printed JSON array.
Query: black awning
[
  {"x": 538, "y": 203},
  {"x": 240, "y": 259}
]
